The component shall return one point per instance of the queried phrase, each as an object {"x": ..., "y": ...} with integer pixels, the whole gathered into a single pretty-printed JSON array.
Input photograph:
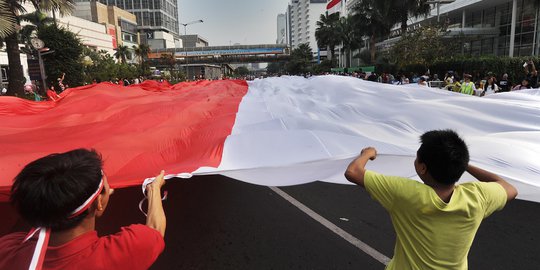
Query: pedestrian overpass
[{"x": 264, "y": 53}]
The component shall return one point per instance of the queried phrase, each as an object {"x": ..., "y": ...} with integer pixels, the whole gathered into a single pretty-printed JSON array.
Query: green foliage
[
  {"x": 324, "y": 66},
  {"x": 242, "y": 71},
  {"x": 102, "y": 67},
  {"x": 122, "y": 53},
  {"x": 374, "y": 19},
  {"x": 275, "y": 68},
  {"x": 482, "y": 66},
  {"x": 424, "y": 46},
  {"x": 326, "y": 32},
  {"x": 66, "y": 57},
  {"x": 141, "y": 52},
  {"x": 7, "y": 20},
  {"x": 300, "y": 62}
]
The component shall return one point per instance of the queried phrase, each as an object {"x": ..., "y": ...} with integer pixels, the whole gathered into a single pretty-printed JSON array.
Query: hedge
[{"x": 479, "y": 67}]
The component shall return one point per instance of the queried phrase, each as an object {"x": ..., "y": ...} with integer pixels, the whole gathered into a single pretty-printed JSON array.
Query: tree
[
  {"x": 350, "y": 37},
  {"x": 275, "y": 67},
  {"x": 122, "y": 53},
  {"x": 373, "y": 18},
  {"x": 67, "y": 56},
  {"x": 12, "y": 9},
  {"x": 410, "y": 8},
  {"x": 141, "y": 52},
  {"x": 37, "y": 20},
  {"x": 169, "y": 60},
  {"x": 242, "y": 71},
  {"x": 326, "y": 32},
  {"x": 425, "y": 46},
  {"x": 300, "y": 60},
  {"x": 7, "y": 20}
]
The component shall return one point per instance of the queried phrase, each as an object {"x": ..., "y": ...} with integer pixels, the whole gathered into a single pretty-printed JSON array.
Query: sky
[{"x": 228, "y": 22}]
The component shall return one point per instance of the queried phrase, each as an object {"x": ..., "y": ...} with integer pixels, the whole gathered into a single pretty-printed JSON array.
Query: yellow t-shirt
[{"x": 432, "y": 234}]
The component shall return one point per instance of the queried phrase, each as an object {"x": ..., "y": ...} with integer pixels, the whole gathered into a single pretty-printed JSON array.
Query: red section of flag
[
  {"x": 139, "y": 129},
  {"x": 332, "y": 4}
]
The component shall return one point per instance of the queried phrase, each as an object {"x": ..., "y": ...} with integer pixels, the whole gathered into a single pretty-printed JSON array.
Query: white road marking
[{"x": 331, "y": 226}]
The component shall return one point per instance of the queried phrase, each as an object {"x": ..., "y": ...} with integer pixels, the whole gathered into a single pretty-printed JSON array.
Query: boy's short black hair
[
  {"x": 48, "y": 189},
  {"x": 445, "y": 154}
]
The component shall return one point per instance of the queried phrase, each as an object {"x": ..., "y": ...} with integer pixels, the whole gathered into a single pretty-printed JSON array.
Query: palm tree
[
  {"x": 13, "y": 9},
  {"x": 373, "y": 18},
  {"x": 349, "y": 36},
  {"x": 7, "y": 20},
  {"x": 141, "y": 52},
  {"x": 326, "y": 32},
  {"x": 37, "y": 20},
  {"x": 412, "y": 8},
  {"x": 122, "y": 53}
]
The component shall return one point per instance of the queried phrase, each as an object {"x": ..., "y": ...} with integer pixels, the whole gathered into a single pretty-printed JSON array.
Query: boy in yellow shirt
[{"x": 435, "y": 221}]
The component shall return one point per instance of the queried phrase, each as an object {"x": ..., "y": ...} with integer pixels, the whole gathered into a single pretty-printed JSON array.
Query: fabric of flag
[
  {"x": 274, "y": 131},
  {"x": 333, "y": 6}
]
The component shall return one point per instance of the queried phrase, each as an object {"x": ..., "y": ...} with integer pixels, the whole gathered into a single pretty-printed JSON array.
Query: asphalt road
[{"x": 218, "y": 223}]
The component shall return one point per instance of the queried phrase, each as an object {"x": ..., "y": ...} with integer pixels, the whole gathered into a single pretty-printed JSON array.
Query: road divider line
[{"x": 331, "y": 226}]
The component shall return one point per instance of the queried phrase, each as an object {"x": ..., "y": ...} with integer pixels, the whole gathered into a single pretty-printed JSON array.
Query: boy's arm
[
  {"x": 356, "y": 170},
  {"x": 485, "y": 176}
]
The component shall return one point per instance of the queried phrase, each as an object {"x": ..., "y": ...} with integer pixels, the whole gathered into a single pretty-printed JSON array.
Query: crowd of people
[{"x": 466, "y": 84}]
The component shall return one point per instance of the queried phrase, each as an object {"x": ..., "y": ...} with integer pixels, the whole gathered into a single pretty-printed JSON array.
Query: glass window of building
[
  {"x": 158, "y": 16},
  {"x": 489, "y": 17}
]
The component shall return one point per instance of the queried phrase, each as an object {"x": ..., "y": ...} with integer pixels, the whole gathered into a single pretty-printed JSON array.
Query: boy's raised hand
[{"x": 369, "y": 152}]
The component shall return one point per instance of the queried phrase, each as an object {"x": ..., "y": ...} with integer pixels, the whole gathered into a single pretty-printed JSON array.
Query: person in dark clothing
[{"x": 504, "y": 84}]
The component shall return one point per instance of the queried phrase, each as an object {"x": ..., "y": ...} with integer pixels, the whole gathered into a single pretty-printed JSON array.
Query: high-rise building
[
  {"x": 302, "y": 17},
  {"x": 281, "y": 29},
  {"x": 157, "y": 19}
]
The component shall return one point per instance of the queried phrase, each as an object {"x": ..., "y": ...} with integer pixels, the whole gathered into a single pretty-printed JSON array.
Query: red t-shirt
[{"x": 134, "y": 247}]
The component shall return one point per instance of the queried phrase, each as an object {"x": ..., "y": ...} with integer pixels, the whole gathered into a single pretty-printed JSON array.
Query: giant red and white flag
[
  {"x": 275, "y": 131},
  {"x": 333, "y": 6}
]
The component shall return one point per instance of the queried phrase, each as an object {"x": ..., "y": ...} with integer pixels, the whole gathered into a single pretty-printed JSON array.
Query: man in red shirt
[{"x": 61, "y": 195}]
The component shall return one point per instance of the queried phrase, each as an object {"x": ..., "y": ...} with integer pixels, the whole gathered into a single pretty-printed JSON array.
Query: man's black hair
[
  {"x": 47, "y": 190},
  {"x": 445, "y": 154}
]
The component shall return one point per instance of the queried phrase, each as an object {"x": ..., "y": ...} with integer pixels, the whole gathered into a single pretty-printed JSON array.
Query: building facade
[
  {"x": 302, "y": 17},
  {"x": 491, "y": 27},
  {"x": 193, "y": 41},
  {"x": 281, "y": 37},
  {"x": 93, "y": 35},
  {"x": 157, "y": 20},
  {"x": 122, "y": 23}
]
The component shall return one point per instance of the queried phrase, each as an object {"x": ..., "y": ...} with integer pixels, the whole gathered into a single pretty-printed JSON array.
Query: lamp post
[
  {"x": 185, "y": 33},
  {"x": 190, "y": 23},
  {"x": 438, "y": 3}
]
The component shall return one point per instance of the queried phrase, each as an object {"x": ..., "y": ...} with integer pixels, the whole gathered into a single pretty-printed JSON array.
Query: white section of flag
[
  {"x": 333, "y": 6},
  {"x": 292, "y": 130}
]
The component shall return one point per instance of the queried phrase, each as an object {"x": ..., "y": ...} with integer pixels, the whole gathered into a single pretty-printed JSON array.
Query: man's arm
[
  {"x": 156, "y": 215},
  {"x": 356, "y": 170},
  {"x": 485, "y": 176}
]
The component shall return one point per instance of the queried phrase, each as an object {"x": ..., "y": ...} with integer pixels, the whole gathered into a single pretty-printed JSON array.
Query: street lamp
[
  {"x": 190, "y": 23},
  {"x": 185, "y": 33},
  {"x": 438, "y": 3}
]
